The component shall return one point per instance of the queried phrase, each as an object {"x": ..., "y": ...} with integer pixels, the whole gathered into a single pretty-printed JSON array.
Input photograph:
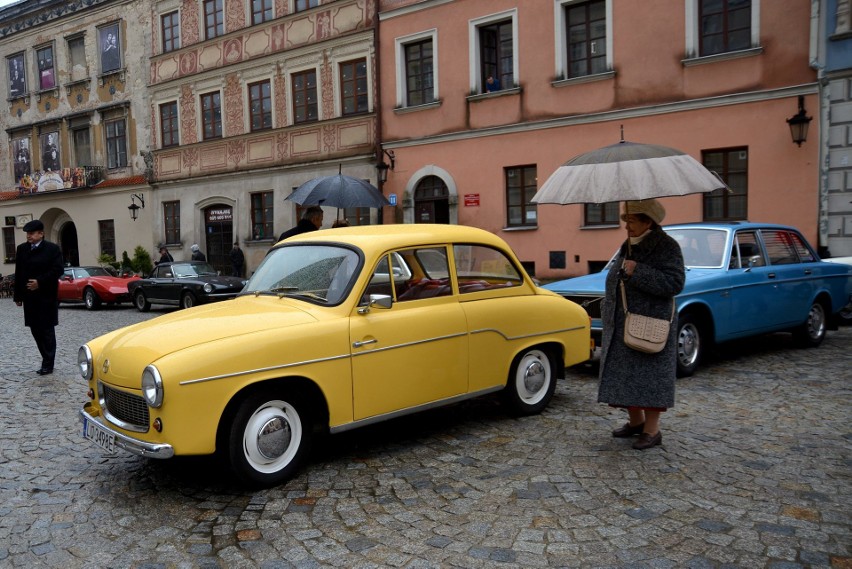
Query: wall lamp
[
  {"x": 134, "y": 209},
  {"x": 382, "y": 166},
  {"x": 799, "y": 123}
]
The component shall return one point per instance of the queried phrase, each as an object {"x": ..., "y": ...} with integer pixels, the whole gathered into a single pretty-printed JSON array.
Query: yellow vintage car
[{"x": 336, "y": 329}]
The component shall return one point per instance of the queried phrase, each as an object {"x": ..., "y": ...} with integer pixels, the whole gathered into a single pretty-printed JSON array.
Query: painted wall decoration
[{"x": 22, "y": 158}]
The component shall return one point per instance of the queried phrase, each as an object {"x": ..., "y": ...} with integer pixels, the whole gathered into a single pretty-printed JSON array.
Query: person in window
[
  {"x": 311, "y": 221},
  {"x": 22, "y": 159},
  {"x": 651, "y": 268},
  {"x": 197, "y": 255},
  {"x": 16, "y": 78},
  {"x": 492, "y": 84},
  {"x": 109, "y": 53}
]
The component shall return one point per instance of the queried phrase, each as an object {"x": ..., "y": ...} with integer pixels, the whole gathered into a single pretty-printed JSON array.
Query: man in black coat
[
  {"x": 38, "y": 266},
  {"x": 311, "y": 221}
]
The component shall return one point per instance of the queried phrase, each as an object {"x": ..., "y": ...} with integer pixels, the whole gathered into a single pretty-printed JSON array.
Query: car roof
[
  {"x": 728, "y": 225},
  {"x": 370, "y": 237}
]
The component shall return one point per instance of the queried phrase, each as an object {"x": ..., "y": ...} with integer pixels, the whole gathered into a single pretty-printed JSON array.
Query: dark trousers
[{"x": 45, "y": 338}]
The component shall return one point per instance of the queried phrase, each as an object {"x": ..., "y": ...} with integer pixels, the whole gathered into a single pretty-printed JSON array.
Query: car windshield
[
  {"x": 184, "y": 270},
  {"x": 318, "y": 273},
  {"x": 700, "y": 247},
  {"x": 92, "y": 272}
]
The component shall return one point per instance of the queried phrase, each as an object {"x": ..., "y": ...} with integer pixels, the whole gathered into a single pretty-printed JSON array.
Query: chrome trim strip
[
  {"x": 511, "y": 338},
  {"x": 261, "y": 369},
  {"x": 410, "y": 410},
  {"x": 141, "y": 448},
  {"x": 407, "y": 344}
]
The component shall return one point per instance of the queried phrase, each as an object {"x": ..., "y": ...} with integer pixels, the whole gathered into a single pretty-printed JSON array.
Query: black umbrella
[{"x": 338, "y": 191}]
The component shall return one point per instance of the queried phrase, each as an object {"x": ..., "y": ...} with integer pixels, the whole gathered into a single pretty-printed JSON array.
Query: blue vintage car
[{"x": 742, "y": 279}]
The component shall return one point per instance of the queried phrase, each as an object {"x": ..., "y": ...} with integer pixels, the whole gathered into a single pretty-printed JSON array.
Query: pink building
[{"x": 718, "y": 82}]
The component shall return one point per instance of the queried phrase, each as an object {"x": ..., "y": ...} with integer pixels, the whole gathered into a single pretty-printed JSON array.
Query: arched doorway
[
  {"x": 68, "y": 244},
  {"x": 431, "y": 201},
  {"x": 219, "y": 236}
]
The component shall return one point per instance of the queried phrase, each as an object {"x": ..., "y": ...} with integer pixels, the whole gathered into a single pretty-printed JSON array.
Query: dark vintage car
[
  {"x": 183, "y": 284},
  {"x": 742, "y": 279},
  {"x": 93, "y": 286}
]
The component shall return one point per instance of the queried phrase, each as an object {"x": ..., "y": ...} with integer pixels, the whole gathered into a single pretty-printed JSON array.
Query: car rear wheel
[
  {"x": 142, "y": 304},
  {"x": 811, "y": 333},
  {"x": 269, "y": 439},
  {"x": 91, "y": 299},
  {"x": 690, "y": 348},
  {"x": 187, "y": 300},
  {"x": 531, "y": 382},
  {"x": 845, "y": 315}
]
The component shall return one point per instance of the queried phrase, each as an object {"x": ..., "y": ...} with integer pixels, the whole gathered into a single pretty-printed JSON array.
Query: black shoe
[
  {"x": 646, "y": 440},
  {"x": 628, "y": 431},
  {"x": 44, "y": 371}
]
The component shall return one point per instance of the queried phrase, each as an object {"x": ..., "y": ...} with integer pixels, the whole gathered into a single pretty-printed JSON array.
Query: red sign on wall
[{"x": 471, "y": 200}]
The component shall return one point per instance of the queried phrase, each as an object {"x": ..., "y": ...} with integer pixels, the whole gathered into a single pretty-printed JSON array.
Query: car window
[
  {"x": 317, "y": 273},
  {"x": 802, "y": 249},
  {"x": 483, "y": 268},
  {"x": 92, "y": 272},
  {"x": 746, "y": 251},
  {"x": 779, "y": 247},
  {"x": 430, "y": 274}
]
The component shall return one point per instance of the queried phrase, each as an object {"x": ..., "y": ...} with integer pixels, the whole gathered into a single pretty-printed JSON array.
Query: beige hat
[{"x": 652, "y": 208}]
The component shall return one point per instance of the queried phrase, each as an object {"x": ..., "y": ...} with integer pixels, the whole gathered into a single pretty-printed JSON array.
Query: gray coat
[{"x": 627, "y": 377}]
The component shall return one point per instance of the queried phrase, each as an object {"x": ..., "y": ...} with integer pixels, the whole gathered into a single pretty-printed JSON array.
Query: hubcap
[
  {"x": 273, "y": 438},
  {"x": 687, "y": 346},
  {"x": 816, "y": 321},
  {"x": 534, "y": 377}
]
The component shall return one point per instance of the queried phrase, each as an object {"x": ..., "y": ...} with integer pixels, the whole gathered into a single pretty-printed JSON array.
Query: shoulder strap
[{"x": 624, "y": 301}]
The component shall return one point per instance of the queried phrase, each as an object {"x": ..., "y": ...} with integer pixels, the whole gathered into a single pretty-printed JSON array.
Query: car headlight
[
  {"x": 152, "y": 386},
  {"x": 84, "y": 362},
  {"x": 208, "y": 288}
]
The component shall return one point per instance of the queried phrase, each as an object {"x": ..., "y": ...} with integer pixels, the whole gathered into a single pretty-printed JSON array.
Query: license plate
[{"x": 99, "y": 436}]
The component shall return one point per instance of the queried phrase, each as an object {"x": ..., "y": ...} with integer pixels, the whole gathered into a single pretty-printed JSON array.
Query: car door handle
[
  {"x": 808, "y": 271},
  {"x": 771, "y": 275},
  {"x": 364, "y": 343}
]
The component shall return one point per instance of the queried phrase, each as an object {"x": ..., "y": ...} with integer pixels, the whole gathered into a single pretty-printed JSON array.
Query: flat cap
[{"x": 34, "y": 225}]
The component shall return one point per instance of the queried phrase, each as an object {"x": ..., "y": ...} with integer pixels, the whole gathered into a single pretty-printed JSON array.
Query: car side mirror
[
  {"x": 382, "y": 301},
  {"x": 753, "y": 261},
  {"x": 67, "y": 278}
]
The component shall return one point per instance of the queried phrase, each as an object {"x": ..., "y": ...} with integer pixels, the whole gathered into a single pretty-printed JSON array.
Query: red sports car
[{"x": 93, "y": 286}]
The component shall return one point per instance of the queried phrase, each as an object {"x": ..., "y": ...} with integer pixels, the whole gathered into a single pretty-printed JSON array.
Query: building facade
[
  {"x": 483, "y": 99},
  {"x": 74, "y": 125},
  {"x": 248, "y": 100},
  {"x": 835, "y": 79}
]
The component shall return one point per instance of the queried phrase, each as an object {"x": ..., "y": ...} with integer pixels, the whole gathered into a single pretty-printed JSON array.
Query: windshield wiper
[{"x": 304, "y": 295}]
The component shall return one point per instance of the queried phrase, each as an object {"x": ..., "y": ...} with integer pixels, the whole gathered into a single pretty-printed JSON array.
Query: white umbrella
[{"x": 627, "y": 171}]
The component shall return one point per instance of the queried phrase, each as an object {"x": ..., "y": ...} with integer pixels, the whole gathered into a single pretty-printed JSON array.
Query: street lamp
[
  {"x": 799, "y": 123},
  {"x": 382, "y": 166},
  {"x": 134, "y": 209}
]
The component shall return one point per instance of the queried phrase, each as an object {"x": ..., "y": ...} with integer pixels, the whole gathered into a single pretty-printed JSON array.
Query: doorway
[
  {"x": 219, "y": 236},
  {"x": 431, "y": 201},
  {"x": 68, "y": 245}
]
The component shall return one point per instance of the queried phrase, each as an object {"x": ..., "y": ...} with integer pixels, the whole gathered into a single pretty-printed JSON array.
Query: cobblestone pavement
[{"x": 754, "y": 471}]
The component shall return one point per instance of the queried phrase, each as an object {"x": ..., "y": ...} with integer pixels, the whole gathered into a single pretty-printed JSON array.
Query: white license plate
[{"x": 98, "y": 435}]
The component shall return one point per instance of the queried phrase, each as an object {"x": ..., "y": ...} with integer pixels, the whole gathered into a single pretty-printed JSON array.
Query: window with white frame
[
  {"x": 417, "y": 74},
  {"x": 493, "y": 52},
  {"x": 717, "y": 27},
  {"x": 116, "y": 142},
  {"x": 169, "y": 129},
  {"x": 583, "y": 38}
]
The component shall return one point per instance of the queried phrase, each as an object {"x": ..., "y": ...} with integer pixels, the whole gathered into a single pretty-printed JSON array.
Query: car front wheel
[
  {"x": 187, "y": 300},
  {"x": 269, "y": 439},
  {"x": 142, "y": 304},
  {"x": 91, "y": 299},
  {"x": 689, "y": 345},
  {"x": 812, "y": 332},
  {"x": 531, "y": 382}
]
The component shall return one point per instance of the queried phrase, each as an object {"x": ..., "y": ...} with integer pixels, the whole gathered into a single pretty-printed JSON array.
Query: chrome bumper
[{"x": 150, "y": 450}]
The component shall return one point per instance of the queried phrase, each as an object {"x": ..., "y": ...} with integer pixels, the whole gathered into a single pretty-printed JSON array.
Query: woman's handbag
[{"x": 644, "y": 333}]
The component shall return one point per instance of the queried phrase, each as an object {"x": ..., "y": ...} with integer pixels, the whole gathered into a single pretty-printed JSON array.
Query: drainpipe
[
  {"x": 377, "y": 101},
  {"x": 816, "y": 60}
]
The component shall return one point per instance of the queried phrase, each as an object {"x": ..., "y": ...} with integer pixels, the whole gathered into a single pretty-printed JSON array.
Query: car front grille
[
  {"x": 126, "y": 410},
  {"x": 592, "y": 304}
]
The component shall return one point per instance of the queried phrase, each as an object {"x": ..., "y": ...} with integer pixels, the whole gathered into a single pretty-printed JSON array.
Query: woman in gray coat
[{"x": 650, "y": 263}]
